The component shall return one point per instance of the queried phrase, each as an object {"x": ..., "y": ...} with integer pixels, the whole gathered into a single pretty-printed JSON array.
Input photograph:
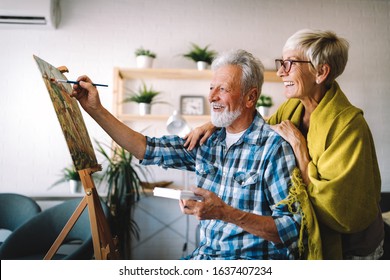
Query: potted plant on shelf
[
  {"x": 144, "y": 57},
  {"x": 264, "y": 103},
  {"x": 122, "y": 175},
  {"x": 202, "y": 56},
  {"x": 145, "y": 97},
  {"x": 71, "y": 175}
]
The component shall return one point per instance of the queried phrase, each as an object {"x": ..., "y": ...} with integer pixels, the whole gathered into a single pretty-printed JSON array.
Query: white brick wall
[{"x": 96, "y": 35}]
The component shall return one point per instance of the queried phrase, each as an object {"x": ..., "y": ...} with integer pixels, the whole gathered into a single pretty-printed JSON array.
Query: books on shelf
[{"x": 176, "y": 194}]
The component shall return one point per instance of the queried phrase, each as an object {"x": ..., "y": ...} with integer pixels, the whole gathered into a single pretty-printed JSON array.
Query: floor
[{"x": 164, "y": 230}]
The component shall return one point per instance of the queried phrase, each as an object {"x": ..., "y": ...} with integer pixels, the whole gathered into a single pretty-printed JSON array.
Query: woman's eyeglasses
[{"x": 287, "y": 64}]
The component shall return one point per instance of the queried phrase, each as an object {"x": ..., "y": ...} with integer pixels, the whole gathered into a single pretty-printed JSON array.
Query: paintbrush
[{"x": 74, "y": 82}]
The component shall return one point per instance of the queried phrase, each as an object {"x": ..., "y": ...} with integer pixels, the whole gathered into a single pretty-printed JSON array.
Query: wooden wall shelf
[
  {"x": 189, "y": 118},
  {"x": 121, "y": 75}
]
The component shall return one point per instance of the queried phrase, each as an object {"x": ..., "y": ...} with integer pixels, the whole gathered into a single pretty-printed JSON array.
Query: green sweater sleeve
[{"x": 344, "y": 175}]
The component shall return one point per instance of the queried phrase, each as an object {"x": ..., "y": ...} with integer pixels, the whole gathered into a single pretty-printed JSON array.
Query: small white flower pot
[
  {"x": 144, "y": 61},
  {"x": 264, "y": 111},
  {"x": 75, "y": 186},
  {"x": 202, "y": 65},
  {"x": 144, "y": 108}
]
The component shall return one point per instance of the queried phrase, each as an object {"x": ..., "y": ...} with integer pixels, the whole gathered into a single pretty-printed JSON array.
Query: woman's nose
[{"x": 280, "y": 72}]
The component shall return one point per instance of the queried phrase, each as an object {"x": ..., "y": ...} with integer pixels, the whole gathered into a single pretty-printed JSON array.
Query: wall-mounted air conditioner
[{"x": 29, "y": 13}]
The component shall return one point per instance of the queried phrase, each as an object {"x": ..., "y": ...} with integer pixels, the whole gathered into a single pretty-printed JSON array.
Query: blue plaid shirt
[{"x": 252, "y": 175}]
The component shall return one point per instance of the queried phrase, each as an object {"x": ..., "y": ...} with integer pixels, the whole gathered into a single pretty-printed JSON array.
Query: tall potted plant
[
  {"x": 145, "y": 97},
  {"x": 144, "y": 57},
  {"x": 122, "y": 175},
  {"x": 202, "y": 56}
]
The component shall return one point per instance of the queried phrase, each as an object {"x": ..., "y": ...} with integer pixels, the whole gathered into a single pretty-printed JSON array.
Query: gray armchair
[
  {"x": 15, "y": 210},
  {"x": 385, "y": 207},
  {"x": 34, "y": 238}
]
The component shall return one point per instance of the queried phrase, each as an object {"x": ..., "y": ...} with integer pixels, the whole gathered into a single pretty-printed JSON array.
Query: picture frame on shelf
[{"x": 192, "y": 105}]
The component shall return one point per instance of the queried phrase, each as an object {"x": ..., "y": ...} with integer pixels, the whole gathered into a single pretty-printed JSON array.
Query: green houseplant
[
  {"x": 264, "y": 103},
  {"x": 145, "y": 97},
  {"x": 122, "y": 176},
  {"x": 202, "y": 56},
  {"x": 71, "y": 175},
  {"x": 144, "y": 57},
  {"x": 144, "y": 52}
]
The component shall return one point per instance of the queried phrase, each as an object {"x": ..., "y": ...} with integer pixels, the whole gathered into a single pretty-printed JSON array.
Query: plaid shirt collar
[{"x": 248, "y": 136}]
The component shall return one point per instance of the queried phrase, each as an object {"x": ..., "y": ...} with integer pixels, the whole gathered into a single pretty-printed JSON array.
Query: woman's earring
[{"x": 317, "y": 81}]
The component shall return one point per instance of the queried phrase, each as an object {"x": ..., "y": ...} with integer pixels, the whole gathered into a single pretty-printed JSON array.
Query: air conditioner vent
[
  {"x": 27, "y": 13},
  {"x": 22, "y": 20}
]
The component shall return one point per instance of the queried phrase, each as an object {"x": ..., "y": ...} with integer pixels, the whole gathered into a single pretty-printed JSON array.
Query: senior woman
[{"x": 332, "y": 143}]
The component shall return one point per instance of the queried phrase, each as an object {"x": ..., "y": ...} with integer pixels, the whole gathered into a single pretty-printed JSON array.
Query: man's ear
[
  {"x": 251, "y": 98},
  {"x": 322, "y": 73}
]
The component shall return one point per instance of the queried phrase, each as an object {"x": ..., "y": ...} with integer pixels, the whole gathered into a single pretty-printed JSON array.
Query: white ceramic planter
[
  {"x": 75, "y": 186},
  {"x": 144, "y": 108},
  {"x": 264, "y": 111},
  {"x": 144, "y": 61},
  {"x": 202, "y": 65}
]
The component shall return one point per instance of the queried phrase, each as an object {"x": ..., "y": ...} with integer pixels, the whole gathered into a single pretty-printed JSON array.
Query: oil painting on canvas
[{"x": 69, "y": 116}]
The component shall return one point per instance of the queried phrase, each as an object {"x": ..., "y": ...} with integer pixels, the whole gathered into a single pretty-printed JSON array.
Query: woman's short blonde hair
[{"x": 321, "y": 47}]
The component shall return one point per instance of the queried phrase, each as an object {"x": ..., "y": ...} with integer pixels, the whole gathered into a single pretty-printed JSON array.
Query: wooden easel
[{"x": 103, "y": 244}]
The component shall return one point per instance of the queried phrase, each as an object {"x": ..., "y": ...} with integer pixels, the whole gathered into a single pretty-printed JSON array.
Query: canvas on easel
[
  {"x": 69, "y": 116},
  {"x": 84, "y": 160}
]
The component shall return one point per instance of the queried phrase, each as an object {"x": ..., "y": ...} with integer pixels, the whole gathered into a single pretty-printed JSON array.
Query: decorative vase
[
  {"x": 75, "y": 186},
  {"x": 144, "y": 108},
  {"x": 144, "y": 61},
  {"x": 202, "y": 65},
  {"x": 264, "y": 111}
]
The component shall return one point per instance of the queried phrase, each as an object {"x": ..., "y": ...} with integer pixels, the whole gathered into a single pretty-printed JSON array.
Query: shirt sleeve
[
  {"x": 168, "y": 152},
  {"x": 278, "y": 179}
]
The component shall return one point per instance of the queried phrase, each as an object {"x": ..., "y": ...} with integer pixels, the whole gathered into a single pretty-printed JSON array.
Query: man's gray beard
[{"x": 225, "y": 118}]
